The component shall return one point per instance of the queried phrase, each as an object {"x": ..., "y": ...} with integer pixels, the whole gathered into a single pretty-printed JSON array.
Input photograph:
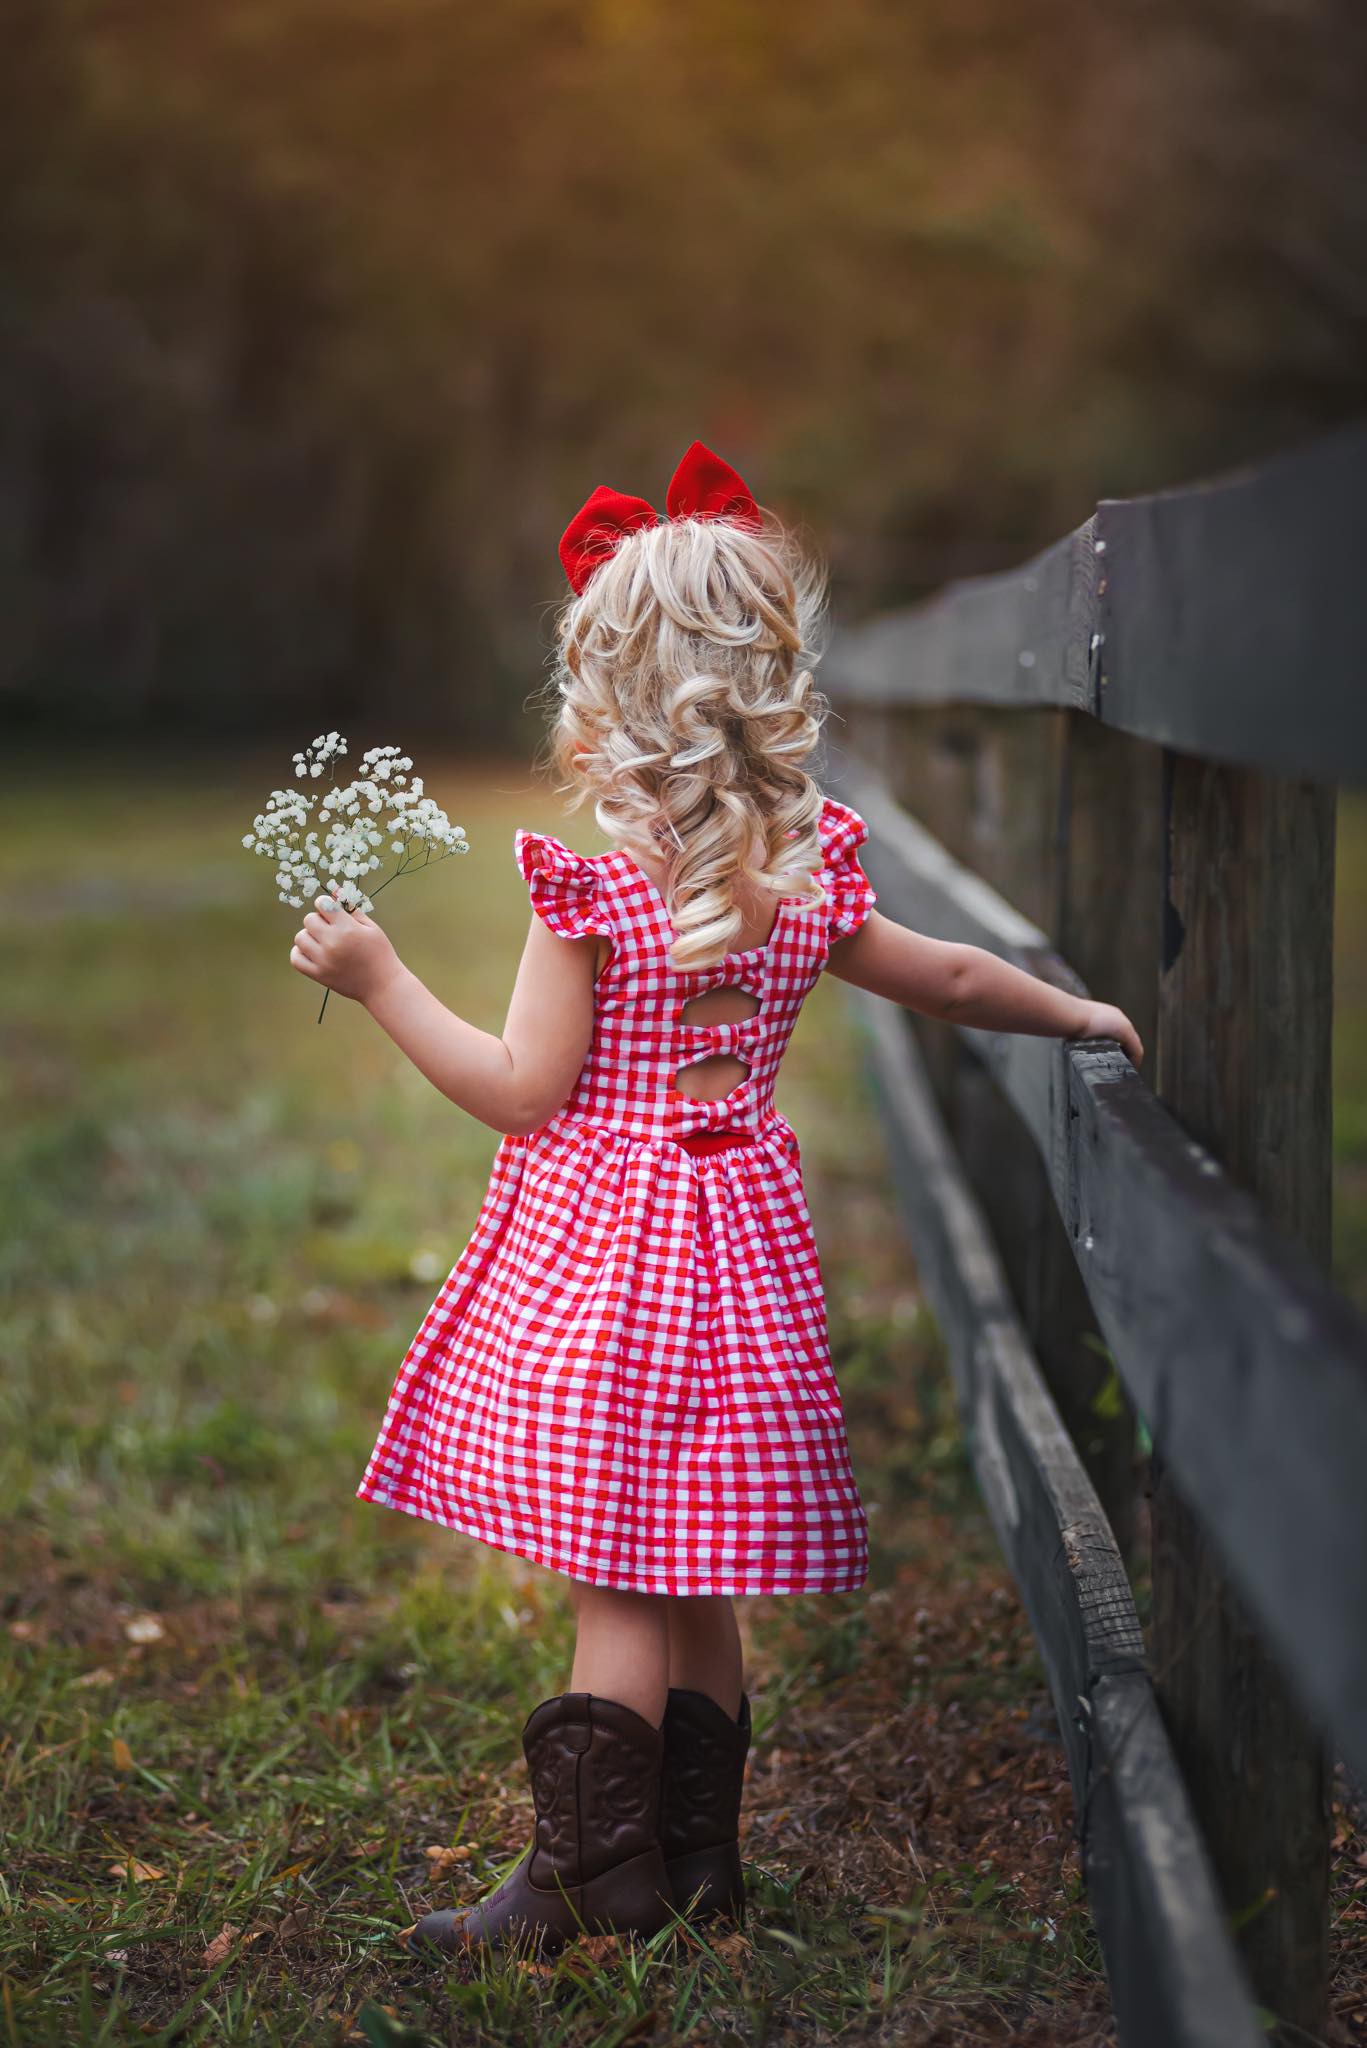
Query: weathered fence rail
[
  {"x": 1188, "y": 1219},
  {"x": 1245, "y": 1364},
  {"x": 1223, "y": 621},
  {"x": 1176, "y": 1977}
]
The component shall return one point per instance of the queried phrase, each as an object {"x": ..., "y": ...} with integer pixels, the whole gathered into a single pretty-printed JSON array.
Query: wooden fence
[{"x": 1101, "y": 1246}]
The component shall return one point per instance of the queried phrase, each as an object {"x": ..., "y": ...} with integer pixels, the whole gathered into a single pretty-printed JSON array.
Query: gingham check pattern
[{"x": 626, "y": 1376}]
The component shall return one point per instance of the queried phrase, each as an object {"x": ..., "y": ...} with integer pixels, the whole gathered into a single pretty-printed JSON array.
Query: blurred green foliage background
[{"x": 319, "y": 317}]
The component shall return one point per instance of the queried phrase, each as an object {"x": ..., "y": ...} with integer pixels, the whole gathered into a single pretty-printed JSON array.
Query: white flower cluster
[
  {"x": 338, "y": 850},
  {"x": 325, "y": 748}
]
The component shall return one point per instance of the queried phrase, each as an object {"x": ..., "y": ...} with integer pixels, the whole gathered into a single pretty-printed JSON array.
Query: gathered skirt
[{"x": 626, "y": 1376}]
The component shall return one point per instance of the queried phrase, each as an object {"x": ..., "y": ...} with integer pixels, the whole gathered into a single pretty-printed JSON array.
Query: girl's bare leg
[
  {"x": 622, "y": 1649},
  {"x": 603, "y": 1865},
  {"x": 705, "y": 1650}
]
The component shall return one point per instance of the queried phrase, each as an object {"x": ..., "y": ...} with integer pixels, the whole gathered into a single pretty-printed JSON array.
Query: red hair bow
[{"x": 702, "y": 487}]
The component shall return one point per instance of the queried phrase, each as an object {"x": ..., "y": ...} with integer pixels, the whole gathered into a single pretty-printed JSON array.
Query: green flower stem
[{"x": 404, "y": 867}]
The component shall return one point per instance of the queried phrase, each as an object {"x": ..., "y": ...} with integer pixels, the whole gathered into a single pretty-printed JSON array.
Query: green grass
[
  {"x": 223, "y": 1223},
  {"x": 234, "y": 1698}
]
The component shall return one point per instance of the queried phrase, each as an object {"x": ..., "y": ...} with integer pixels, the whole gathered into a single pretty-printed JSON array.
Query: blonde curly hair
[{"x": 685, "y": 707}]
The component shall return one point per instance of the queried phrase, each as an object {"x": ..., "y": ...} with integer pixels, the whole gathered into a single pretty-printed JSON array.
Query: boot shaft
[
  {"x": 595, "y": 1770},
  {"x": 703, "y": 1774}
]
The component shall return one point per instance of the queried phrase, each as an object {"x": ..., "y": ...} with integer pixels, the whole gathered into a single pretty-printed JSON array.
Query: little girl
[{"x": 626, "y": 1376}]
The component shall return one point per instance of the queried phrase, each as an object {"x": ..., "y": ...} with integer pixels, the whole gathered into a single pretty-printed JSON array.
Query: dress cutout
[{"x": 626, "y": 1376}]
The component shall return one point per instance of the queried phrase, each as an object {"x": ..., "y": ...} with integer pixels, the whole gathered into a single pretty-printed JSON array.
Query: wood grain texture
[
  {"x": 1009, "y": 640},
  {"x": 1227, "y": 620},
  {"x": 1244, "y": 1065},
  {"x": 991, "y": 786},
  {"x": 1174, "y": 1976},
  {"x": 1247, "y": 1366},
  {"x": 1106, "y": 919},
  {"x": 1234, "y": 617}
]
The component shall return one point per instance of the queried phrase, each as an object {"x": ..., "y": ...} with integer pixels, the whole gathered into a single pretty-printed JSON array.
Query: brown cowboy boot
[
  {"x": 700, "y": 1795},
  {"x": 594, "y": 1865}
]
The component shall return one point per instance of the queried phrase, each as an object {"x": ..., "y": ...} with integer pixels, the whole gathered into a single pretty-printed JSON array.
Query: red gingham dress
[{"x": 626, "y": 1376}]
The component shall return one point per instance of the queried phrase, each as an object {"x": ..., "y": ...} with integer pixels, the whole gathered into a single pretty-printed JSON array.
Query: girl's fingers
[
  {"x": 301, "y": 961},
  {"x": 332, "y": 910}
]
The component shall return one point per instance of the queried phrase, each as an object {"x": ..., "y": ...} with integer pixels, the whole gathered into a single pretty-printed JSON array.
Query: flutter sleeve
[
  {"x": 565, "y": 887},
  {"x": 850, "y": 892}
]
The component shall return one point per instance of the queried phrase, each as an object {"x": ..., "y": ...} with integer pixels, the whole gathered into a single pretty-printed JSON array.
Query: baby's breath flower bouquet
[{"x": 335, "y": 844}]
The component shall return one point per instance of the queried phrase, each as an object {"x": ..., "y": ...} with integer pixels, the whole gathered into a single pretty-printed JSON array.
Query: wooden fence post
[
  {"x": 1224, "y": 623},
  {"x": 991, "y": 784},
  {"x": 1105, "y": 919},
  {"x": 1243, "y": 1063},
  {"x": 927, "y": 757}
]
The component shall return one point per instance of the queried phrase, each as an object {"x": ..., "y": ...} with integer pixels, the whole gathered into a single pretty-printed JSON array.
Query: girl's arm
[
  {"x": 969, "y": 985},
  {"x": 513, "y": 1083}
]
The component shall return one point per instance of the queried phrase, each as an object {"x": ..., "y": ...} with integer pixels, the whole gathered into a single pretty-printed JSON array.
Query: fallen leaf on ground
[
  {"x": 599, "y": 1948},
  {"x": 121, "y": 1753},
  {"x": 219, "y": 1946},
  {"x": 141, "y": 1873},
  {"x": 441, "y": 1860}
]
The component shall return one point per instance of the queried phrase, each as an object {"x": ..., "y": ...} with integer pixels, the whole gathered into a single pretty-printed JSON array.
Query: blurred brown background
[{"x": 320, "y": 317}]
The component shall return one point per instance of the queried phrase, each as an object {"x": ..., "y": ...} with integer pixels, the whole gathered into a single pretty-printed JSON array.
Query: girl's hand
[
  {"x": 1104, "y": 1020},
  {"x": 344, "y": 950}
]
